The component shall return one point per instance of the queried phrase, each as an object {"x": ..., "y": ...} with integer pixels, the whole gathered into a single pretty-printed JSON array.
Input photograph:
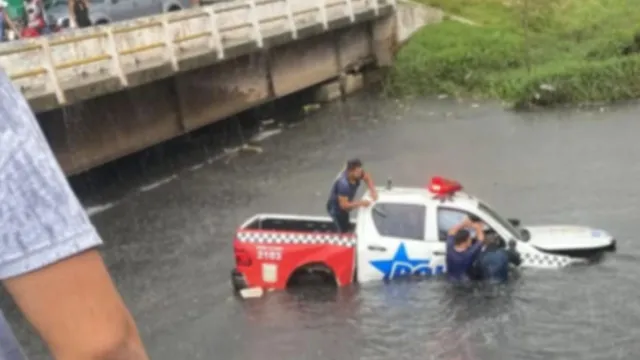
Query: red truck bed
[{"x": 270, "y": 249}]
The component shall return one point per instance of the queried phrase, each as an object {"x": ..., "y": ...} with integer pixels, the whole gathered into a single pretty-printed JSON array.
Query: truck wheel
[{"x": 312, "y": 275}]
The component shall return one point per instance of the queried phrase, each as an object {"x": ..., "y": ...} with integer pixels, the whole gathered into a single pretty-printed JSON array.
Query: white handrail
[
  {"x": 292, "y": 21},
  {"x": 216, "y": 39},
  {"x": 322, "y": 10},
  {"x": 115, "y": 58},
  {"x": 51, "y": 71},
  {"x": 256, "y": 24},
  {"x": 376, "y": 7},
  {"x": 170, "y": 52},
  {"x": 350, "y": 13}
]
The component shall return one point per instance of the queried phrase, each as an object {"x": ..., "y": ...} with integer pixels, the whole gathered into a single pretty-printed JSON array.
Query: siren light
[{"x": 443, "y": 187}]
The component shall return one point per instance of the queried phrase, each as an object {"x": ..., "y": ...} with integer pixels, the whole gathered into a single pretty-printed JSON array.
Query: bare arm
[
  {"x": 76, "y": 309},
  {"x": 463, "y": 224},
  {"x": 372, "y": 188},
  {"x": 479, "y": 228},
  {"x": 72, "y": 14},
  {"x": 11, "y": 24},
  {"x": 347, "y": 205}
]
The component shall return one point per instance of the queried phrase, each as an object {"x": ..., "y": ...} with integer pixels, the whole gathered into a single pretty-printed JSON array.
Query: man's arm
[
  {"x": 372, "y": 187},
  {"x": 479, "y": 228},
  {"x": 343, "y": 198},
  {"x": 11, "y": 24},
  {"x": 461, "y": 225},
  {"x": 76, "y": 309},
  {"x": 48, "y": 261},
  {"x": 72, "y": 15}
]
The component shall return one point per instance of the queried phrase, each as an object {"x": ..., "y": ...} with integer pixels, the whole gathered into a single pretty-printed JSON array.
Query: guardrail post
[
  {"x": 216, "y": 39},
  {"x": 115, "y": 57},
  {"x": 322, "y": 10},
  {"x": 169, "y": 48},
  {"x": 376, "y": 7},
  {"x": 51, "y": 70},
  {"x": 292, "y": 21},
  {"x": 350, "y": 12},
  {"x": 256, "y": 23}
]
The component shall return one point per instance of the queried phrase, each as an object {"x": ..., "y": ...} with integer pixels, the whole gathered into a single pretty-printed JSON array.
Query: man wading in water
[
  {"x": 462, "y": 251},
  {"x": 343, "y": 191}
]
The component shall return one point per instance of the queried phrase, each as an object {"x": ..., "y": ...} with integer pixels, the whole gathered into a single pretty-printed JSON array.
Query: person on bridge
[
  {"x": 49, "y": 263},
  {"x": 343, "y": 191},
  {"x": 5, "y": 22},
  {"x": 79, "y": 13},
  {"x": 462, "y": 251}
]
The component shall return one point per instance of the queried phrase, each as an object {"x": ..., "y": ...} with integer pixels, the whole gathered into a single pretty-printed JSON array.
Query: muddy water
[{"x": 168, "y": 231}]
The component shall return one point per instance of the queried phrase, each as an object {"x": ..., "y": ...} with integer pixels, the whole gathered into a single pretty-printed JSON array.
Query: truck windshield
[{"x": 505, "y": 224}]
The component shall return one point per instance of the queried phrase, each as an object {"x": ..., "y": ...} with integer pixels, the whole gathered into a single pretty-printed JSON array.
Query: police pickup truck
[{"x": 401, "y": 234}]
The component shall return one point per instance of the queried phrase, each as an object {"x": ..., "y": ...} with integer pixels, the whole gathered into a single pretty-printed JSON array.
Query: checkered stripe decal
[
  {"x": 544, "y": 260},
  {"x": 263, "y": 237}
]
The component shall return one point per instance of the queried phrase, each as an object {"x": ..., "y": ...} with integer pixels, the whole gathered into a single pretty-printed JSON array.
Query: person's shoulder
[
  {"x": 42, "y": 220},
  {"x": 342, "y": 181}
]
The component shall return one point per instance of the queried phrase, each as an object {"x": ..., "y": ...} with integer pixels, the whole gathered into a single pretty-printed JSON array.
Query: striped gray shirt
[{"x": 41, "y": 220}]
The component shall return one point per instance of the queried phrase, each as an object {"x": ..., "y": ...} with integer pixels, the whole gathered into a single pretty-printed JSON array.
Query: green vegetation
[{"x": 543, "y": 52}]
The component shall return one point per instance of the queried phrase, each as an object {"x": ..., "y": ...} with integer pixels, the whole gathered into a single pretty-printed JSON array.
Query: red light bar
[{"x": 443, "y": 187}]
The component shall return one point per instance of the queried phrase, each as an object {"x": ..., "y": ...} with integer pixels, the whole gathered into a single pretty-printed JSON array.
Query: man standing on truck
[
  {"x": 461, "y": 251},
  {"x": 343, "y": 191}
]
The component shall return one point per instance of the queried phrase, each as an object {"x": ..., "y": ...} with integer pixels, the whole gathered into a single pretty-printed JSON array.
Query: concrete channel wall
[{"x": 104, "y": 92}]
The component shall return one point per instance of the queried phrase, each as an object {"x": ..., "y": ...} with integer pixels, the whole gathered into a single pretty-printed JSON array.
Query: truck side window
[
  {"x": 448, "y": 218},
  {"x": 405, "y": 221}
]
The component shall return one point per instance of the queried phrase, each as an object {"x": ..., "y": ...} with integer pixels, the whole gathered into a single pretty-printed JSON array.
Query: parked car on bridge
[{"x": 103, "y": 12}]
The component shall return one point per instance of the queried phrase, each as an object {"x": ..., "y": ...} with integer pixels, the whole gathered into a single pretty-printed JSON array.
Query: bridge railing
[{"x": 50, "y": 64}]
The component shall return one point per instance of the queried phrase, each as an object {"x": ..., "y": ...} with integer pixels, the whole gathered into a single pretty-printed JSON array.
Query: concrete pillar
[{"x": 384, "y": 42}]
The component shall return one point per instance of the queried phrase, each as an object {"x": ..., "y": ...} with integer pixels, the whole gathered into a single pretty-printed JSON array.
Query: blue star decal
[{"x": 400, "y": 265}]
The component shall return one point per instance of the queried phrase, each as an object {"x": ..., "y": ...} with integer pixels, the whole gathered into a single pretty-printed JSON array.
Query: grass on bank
[{"x": 573, "y": 52}]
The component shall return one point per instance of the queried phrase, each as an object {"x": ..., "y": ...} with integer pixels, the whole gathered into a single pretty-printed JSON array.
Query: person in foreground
[
  {"x": 48, "y": 258},
  {"x": 462, "y": 251},
  {"x": 494, "y": 260},
  {"x": 343, "y": 191}
]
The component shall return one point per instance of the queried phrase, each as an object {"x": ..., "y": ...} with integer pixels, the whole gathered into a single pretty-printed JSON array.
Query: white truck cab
[{"x": 404, "y": 232}]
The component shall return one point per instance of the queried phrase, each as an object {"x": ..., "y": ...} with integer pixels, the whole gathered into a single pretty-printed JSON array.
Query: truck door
[{"x": 392, "y": 241}]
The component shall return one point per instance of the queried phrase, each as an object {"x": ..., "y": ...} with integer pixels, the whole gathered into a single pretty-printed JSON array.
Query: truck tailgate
[{"x": 268, "y": 258}]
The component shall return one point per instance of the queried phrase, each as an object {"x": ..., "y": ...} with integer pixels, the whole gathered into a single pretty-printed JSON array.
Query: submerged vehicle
[{"x": 402, "y": 234}]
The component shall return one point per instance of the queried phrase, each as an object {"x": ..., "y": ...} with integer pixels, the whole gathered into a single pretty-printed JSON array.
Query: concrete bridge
[{"x": 104, "y": 92}]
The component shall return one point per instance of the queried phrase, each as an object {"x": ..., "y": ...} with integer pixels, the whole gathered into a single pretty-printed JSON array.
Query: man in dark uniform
[
  {"x": 343, "y": 191},
  {"x": 494, "y": 261},
  {"x": 462, "y": 251}
]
